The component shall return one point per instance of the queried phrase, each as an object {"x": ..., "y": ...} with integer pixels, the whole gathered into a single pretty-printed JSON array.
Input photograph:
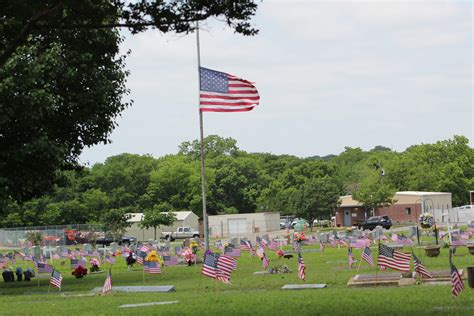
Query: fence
[
  {"x": 453, "y": 215},
  {"x": 58, "y": 235}
]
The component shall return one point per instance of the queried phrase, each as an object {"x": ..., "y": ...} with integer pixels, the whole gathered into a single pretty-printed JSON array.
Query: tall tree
[
  {"x": 159, "y": 215},
  {"x": 62, "y": 79}
]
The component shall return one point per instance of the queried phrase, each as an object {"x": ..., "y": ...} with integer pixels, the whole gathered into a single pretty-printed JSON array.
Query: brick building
[{"x": 407, "y": 208}]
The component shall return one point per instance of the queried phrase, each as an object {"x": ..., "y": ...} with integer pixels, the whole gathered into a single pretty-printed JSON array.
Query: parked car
[
  {"x": 375, "y": 221},
  {"x": 180, "y": 233},
  {"x": 321, "y": 223},
  {"x": 296, "y": 220},
  {"x": 107, "y": 240},
  {"x": 283, "y": 223}
]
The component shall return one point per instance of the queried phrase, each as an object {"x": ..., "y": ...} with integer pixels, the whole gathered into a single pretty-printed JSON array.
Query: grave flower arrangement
[
  {"x": 95, "y": 265},
  {"x": 426, "y": 220},
  {"x": 189, "y": 256},
  {"x": 194, "y": 246},
  {"x": 153, "y": 257},
  {"x": 79, "y": 272},
  {"x": 280, "y": 253},
  {"x": 281, "y": 269},
  {"x": 299, "y": 237}
]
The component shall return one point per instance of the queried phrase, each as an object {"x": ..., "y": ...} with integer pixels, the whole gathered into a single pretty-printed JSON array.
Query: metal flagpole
[{"x": 203, "y": 174}]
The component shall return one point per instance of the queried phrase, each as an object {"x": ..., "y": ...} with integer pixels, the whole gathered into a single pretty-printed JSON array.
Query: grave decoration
[
  {"x": 281, "y": 269},
  {"x": 153, "y": 257},
  {"x": 95, "y": 265},
  {"x": 298, "y": 238},
  {"x": 79, "y": 272},
  {"x": 426, "y": 220},
  {"x": 194, "y": 246},
  {"x": 280, "y": 253},
  {"x": 189, "y": 256}
]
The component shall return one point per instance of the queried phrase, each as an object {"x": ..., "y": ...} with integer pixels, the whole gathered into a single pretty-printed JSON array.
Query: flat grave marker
[
  {"x": 137, "y": 289},
  {"x": 147, "y": 304},
  {"x": 303, "y": 286}
]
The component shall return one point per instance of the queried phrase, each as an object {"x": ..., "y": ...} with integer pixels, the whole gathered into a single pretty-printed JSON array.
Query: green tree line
[{"x": 242, "y": 182}]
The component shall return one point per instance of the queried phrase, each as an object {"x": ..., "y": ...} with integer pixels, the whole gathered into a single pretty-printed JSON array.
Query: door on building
[
  {"x": 347, "y": 218},
  {"x": 237, "y": 226}
]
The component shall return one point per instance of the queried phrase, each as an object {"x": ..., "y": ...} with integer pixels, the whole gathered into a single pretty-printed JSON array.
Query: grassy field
[{"x": 248, "y": 294}]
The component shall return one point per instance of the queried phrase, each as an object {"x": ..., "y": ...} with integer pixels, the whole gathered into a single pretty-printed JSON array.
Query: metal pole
[{"x": 203, "y": 174}]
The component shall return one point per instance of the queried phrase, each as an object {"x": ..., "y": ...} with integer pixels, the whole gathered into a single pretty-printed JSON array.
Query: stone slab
[
  {"x": 136, "y": 289},
  {"x": 303, "y": 286},
  {"x": 261, "y": 273},
  {"x": 303, "y": 250},
  {"x": 441, "y": 275},
  {"x": 147, "y": 304},
  {"x": 355, "y": 283}
]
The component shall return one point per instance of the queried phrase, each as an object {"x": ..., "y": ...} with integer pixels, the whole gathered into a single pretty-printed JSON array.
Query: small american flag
[
  {"x": 265, "y": 262},
  {"x": 367, "y": 256},
  {"x": 107, "y": 284},
  {"x": 44, "y": 267},
  {"x": 109, "y": 259},
  {"x": 273, "y": 245},
  {"x": 209, "y": 266},
  {"x": 56, "y": 279},
  {"x": 144, "y": 248},
  {"x": 350, "y": 257},
  {"x": 420, "y": 268},
  {"x": 391, "y": 258},
  {"x": 178, "y": 250},
  {"x": 154, "y": 267},
  {"x": 457, "y": 285},
  {"x": 231, "y": 251},
  {"x": 170, "y": 260},
  {"x": 301, "y": 268},
  {"x": 140, "y": 260},
  {"x": 244, "y": 245},
  {"x": 221, "y": 92}
]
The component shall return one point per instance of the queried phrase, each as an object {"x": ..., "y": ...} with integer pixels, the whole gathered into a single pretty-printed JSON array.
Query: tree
[
  {"x": 318, "y": 198},
  {"x": 159, "y": 215},
  {"x": 62, "y": 79},
  {"x": 214, "y": 146},
  {"x": 373, "y": 194},
  {"x": 115, "y": 221}
]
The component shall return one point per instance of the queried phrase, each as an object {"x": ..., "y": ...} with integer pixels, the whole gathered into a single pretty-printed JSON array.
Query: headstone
[
  {"x": 87, "y": 247},
  {"x": 47, "y": 252},
  {"x": 303, "y": 286},
  {"x": 324, "y": 238},
  {"x": 136, "y": 289},
  {"x": 25, "y": 251},
  {"x": 59, "y": 249},
  {"x": 147, "y": 304},
  {"x": 234, "y": 242},
  {"x": 378, "y": 232},
  {"x": 413, "y": 231},
  {"x": 357, "y": 233},
  {"x": 113, "y": 247},
  {"x": 133, "y": 247}
]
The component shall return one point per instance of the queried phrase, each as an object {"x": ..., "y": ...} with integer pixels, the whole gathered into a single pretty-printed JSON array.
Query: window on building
[{"x": 408, "y": 210}]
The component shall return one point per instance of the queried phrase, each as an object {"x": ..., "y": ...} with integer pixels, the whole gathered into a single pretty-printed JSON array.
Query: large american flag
[
  {"x": 420, "y": 268},
  {"x": 56, "y": 279},
  {"x": 301, "y": 268},
  {"x": 225, "y": 266},
  {"x": 209, "y": 266},
  {"x": 222, "y": 92},
  {"x": 391, "y": 258},
  {"x": 457, "y": 285},
  {"x": 367, "y": 256},
  {"x": 107, "y": 284}
]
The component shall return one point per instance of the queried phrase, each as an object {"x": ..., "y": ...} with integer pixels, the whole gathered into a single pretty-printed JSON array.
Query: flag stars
[{"x": 213, "y": 81}]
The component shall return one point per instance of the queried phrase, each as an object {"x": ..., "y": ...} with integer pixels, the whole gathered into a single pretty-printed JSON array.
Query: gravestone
[
  {"x": 133, "y": 247},
  {"x": 324, "y": 237},
  {"x": 378, "y": 232},
  {"x": 113, "y": 247},
  {"x": 234, "y": 242},
  {"x": 413, "y": 231},
  {"x": 147, "y": 304},
  {"x": 87, "y": 247},
  {"x": 357, "y": 233},
  {"x": 46, "y": 252},
  {"x": 25, "y": 251},
  {"x": 303, "y": 286},
  {"x": 137, "y": 289}
]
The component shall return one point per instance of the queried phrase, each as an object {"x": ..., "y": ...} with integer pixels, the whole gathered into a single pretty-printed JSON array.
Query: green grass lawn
[{"x": 248, "y": 294}]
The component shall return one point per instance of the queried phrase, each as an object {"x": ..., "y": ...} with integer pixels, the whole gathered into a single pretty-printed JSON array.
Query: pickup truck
[{"x": 180, "y": 233}]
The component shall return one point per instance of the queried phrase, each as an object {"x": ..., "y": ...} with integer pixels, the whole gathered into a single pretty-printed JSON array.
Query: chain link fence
[{"x": 57, "y": 235}]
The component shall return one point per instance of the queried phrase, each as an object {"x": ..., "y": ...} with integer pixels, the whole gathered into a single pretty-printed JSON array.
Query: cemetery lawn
[{"x": 248, "y": 294}]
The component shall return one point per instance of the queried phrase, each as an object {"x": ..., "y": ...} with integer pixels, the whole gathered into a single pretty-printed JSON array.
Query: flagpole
[{"x": 201, "y": 127}]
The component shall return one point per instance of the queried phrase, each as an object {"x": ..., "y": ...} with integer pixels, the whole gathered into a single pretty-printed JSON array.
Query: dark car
[
  {"x": 107, "y": 240},
  {"x": 374, "y": 221}
]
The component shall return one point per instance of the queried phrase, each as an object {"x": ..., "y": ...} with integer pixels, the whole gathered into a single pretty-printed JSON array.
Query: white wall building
[
  {"x": 235, "y": 225},
  {"x": 182, "y": 219}
]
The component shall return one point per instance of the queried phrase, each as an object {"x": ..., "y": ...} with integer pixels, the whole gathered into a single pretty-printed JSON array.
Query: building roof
[
  {"x": 180, "y": 216},
  {"x": 420, "y": 193}
]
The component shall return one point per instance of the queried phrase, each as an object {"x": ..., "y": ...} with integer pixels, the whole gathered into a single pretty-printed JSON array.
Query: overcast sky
[{"x": 330, "y": 75}]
